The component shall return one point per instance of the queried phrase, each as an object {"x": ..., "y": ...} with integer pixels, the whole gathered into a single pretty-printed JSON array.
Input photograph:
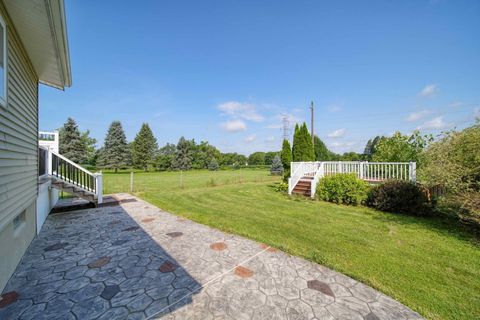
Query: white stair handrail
[
  {"x": 318, "y": 175},
  {"x": 98, "y": 178}
]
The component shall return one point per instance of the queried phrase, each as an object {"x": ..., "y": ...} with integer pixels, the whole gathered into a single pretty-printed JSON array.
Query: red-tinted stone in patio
[
  {"x": 167, "y": 267},
  {"x": 218, "y": 246},
  {"x": 243, "y": 272},
  {"x": 269, "y": 249},
  {"x": 320, "y": 286},
  {"x": 7, "y": 298},
  {"x": 174, "y": 234},
  {"x": 99, "y": 263},
  {"x": 131, "y": 228},
  {"x": 56, "y": 246},
  {"x": 147, "y": 220}
]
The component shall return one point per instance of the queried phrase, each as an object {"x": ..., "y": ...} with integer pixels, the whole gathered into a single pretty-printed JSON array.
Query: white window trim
[{"x": 3, "y": 100}]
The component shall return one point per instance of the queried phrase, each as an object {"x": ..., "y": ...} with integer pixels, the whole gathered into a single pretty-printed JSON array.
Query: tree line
[{"x": 144, "y": 153}]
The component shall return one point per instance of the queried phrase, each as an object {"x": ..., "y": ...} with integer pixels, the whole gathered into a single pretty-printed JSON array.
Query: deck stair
[
  {"x": 306, "y": 175},
  {"x": 74, "y": 190},
  {"x": 303, "y": 187},
  {"x": 65, "y": 175}
]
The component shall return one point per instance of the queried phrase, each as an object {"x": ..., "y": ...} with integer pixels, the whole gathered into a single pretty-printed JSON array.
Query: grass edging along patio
[{"x": 425, "y": 263}]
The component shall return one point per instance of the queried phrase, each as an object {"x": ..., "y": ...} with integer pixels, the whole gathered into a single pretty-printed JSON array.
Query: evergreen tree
[
  {"x": 183, "y": 155},
  {"x": 286, "y": 157},
  {"x": 71, "y": 144},
  {"x": 276, "y": 168},
  {"x": 302, "y": 144},
  {"x": 144, "y": 147},
  {"x": 116, "y": 152},
  {"x": 286, "y": 154},
  {"x": 91, "y": 152},
  {"x": 321, "y": 151},
  {"x": 307, "y": 137},
  {"x": 213, "y": 165}
]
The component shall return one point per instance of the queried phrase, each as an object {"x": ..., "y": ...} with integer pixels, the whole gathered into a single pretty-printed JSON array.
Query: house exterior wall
[
  {"x": 18, "y": 154},
  {"x": 46, "y": 200}
]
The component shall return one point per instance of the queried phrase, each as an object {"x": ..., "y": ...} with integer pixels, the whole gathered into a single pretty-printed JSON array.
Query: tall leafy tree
[
  {"x": 203, "y": 153},
  {"x": 71, "y": 144},
  {"x": 256, "y": 158},
  {"x": 269, "y": 157},
  {"x": 302, "y": 144},
  {"x": 144, "y": 147},
  {"x": 165, "y": 156},
  {"x": 400, "y": 148},
  {"x": 116, "y": 151},
  {"x": 371, "y": 147},
  {"x": 183, "y": 155}
]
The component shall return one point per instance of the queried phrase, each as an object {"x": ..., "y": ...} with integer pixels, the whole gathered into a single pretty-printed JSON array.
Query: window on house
[
  {"x": 3, "y": 62},
  {"x": 18, "y": 220}
]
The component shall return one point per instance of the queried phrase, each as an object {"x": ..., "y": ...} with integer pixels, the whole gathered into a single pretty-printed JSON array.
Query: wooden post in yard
[{"x": 131, "y": 181}]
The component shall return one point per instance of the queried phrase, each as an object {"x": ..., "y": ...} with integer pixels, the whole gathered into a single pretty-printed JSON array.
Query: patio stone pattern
[{"x": 166, "y": 269}]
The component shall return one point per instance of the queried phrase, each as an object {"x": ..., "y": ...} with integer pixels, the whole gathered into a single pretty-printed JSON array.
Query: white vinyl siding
[{"x": 18, "y": 130}]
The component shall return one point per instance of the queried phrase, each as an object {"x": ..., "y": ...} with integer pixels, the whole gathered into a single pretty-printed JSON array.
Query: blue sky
[{"x": 228, "y": 71}]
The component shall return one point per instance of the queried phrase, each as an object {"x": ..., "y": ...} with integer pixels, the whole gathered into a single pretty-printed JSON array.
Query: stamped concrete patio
[{"x": 135, "y": 261}]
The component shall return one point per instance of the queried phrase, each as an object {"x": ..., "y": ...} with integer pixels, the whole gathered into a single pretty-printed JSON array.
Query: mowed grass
[{"x": 429, "y": 264}]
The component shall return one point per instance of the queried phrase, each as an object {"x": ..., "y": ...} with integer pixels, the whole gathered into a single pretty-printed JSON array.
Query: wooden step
[
  {"x": 300, "y": 187},
  {"x": 72, "y": 189},
  {"x": 303, "y": 193}
]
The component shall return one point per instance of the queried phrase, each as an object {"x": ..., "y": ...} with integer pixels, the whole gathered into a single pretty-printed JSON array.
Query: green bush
[
  {"x": 399, "y": 197},
  {"x": 342, "y": 188},
  {"x": 281, "y": 187}
]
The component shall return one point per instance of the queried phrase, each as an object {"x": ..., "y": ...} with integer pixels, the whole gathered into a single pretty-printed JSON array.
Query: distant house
[{"x": 33, "y": 50}]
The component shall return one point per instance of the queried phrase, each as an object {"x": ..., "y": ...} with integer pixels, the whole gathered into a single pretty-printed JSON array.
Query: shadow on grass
[{"x": 440, "y": 223}]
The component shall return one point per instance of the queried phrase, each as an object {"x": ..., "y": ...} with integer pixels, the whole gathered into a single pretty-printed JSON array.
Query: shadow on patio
[{"x": 97, "y": 263}]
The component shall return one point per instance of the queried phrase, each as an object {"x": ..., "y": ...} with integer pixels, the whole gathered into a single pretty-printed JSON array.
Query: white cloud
[
  {"x": 234, "y": 126},
  {"x": 476, "y": 112},
  {"x": 246, "y": 111},
  {"x": 274, "y": 126},
  {"x": 415, "y": 116},
  {"x": 250, "y": 138},
  {"x": 435, "y": 123},
  {"x": 429, "y": 91},
  {"x": 334, "y": 108},
  {"x": 456, "y": 104},
  {"x": 340, "y": 144},
  {"x": 337, "y": 133},
  {"x": 270, "y": 139}
]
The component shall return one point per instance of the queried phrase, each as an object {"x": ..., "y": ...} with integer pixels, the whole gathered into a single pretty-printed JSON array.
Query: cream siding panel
[{"x": 18, "y": 131}]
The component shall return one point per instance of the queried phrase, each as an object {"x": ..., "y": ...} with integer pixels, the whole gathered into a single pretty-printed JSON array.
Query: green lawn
[{"x": 428, "y": 264}]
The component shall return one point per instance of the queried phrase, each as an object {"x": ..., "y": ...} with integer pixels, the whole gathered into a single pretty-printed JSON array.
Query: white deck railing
[
  {"x": 368, "y": 171},
  {"x": 64, "y": 169}
]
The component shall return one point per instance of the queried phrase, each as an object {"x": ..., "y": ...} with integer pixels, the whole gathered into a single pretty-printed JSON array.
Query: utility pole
[{"x": 311, "y": 116}]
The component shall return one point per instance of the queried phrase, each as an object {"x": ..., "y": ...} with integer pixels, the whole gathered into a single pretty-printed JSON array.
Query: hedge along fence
[{"x": 343, "y": 188}]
